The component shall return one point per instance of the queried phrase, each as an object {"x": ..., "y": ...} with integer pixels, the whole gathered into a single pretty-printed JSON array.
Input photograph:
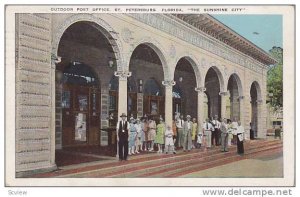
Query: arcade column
[
  {"x": 122, "y": 101},
  {"x": 200, "y": 106},
  {"x": 223, "y": 103},
  {"x": 168, "y": 101}
]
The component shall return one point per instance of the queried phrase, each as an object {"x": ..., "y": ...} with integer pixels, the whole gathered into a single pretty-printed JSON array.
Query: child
[
  {"x": 169, "y": 143},
  {"x": 199, "y": 139},
  {"x": 159, "y": 138}
]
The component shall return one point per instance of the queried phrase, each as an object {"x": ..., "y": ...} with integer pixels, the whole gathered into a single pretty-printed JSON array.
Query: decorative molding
[
  {"x": 101, "y": 25},
  {"x": 172, "y": 51},
  {"x": 200, "y": 89},
  {"x": 123, "y": 75},
  {"x": 127, "y": 35},
  {"x": 168, "y": 83},
  {"x": 175, "y": 27}
]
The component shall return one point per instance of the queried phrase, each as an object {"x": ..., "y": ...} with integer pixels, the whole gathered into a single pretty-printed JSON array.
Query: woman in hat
[
  {"x": 151, "y": 133},
  {"x": 132, "y": 137},
  {"x": 159, "y": 138},
  {"x": 194, "y": 132},
  {"x": 139, "y": 131}
]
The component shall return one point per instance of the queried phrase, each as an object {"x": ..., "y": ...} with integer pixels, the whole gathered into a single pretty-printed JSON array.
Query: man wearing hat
[
  {"x": 122, "y": 137},
  {"x": 187, "y": 133},
  {"x": 215, "y": 135}
]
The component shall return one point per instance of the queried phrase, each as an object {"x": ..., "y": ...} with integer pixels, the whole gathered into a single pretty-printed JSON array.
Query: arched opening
[
  {"x": 234, "y": 99},
  {"x": 148, "y": 74},
  {"x": 185, "y": 79},
  {"x": 254, "y": 93},
  {"x": 212, "y": 85},
  {"x": 87, "y": 63}
]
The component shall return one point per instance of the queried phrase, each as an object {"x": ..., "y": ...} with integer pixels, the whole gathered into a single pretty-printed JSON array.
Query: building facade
[{"x": 77, "y": 72}]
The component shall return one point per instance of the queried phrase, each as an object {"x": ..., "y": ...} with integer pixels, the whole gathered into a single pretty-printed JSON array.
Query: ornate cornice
[{"x": 174, "y": 27}]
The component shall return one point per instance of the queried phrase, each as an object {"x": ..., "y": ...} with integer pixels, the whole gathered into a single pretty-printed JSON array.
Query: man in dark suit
[{"x": 122, "y": 137}]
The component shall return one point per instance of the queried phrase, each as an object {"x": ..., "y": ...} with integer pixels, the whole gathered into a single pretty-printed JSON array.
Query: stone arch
[
  {"x": 220, "y": 77},
  {"x": 239, "y": 83},
  {"x": 258, "y": 89},
  {"x": 155, "y": 46},
  {"x": 96, "y": 22},
  {"x": 194, "y": 63}
]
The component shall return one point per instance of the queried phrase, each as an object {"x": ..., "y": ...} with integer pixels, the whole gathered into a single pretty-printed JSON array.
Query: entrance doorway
[{"x": 80, "y": 106}]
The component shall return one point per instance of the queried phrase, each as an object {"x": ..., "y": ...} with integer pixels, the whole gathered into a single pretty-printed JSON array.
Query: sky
[{"x": 267, "y": 28}]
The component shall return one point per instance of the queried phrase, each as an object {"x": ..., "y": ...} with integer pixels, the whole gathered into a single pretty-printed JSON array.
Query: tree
[{"x": 275, "y": 78}]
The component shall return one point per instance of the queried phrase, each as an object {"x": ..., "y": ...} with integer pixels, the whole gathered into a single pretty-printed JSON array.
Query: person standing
[
  {"x": 240, "y": 138},
  {"x": 169, "y": 142},
  {"x": 230, "y": 131},
  {"x": 194, "y": 132},
  {"x": 132, "y": 137},
  {"x": 159, "y": 138},
  {"x": 251, "y": 132},
  {"x": 151, "y": 133},
  {"x": 187, "y": 133},
  {"x": 174, "y": 128},
  {"x": 138, "y": 141},
  {"x": 179, "y": 125},
  {"x": 207, "y": 129},
  {"x": 224, "y": 136},
  {"x": 122, "y": 137},
  {"x": 146, "y": 132},
  {"x": 234, "y": 127},
  {"x": 216, "y": 132}
]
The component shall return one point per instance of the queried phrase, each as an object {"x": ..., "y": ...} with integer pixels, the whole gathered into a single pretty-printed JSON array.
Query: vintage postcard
[{"x": 156, "y": 95}]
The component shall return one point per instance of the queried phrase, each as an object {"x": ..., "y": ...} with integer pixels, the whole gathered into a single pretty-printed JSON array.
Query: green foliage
[{"x": 275, "y": 78}]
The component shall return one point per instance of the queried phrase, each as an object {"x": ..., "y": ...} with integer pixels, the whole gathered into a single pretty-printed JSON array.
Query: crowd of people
[{"x": 147, "y": 134}]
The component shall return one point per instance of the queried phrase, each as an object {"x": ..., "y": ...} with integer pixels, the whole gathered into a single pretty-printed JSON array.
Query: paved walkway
[
  {"x": 260, "y": 159},
  {"x": 266, "y": 167}
]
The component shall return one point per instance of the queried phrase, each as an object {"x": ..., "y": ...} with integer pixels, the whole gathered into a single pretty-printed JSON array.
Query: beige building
[{"x": 76, "y": 73}]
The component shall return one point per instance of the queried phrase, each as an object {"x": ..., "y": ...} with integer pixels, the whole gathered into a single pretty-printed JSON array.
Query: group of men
[{"x": 182, "y": 134}]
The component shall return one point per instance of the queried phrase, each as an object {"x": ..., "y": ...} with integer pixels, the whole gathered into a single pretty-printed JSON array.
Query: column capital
[
  {"x": 200, "y": 89},
  {"x": 169, "y": 83},
  {"x": 123, "y": 74},
  {"x": 223, "y": 93},
  {"x": 55, "y": 60}
]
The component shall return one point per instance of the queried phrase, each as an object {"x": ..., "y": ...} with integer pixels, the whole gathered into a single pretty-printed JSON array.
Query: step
[{"x": 161, "y": 162}]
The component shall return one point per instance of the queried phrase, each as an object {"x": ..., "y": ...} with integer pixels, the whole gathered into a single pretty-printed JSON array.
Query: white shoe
[
  {"x": 129, "y": 153},
  {"x": 137, "y": 152}
]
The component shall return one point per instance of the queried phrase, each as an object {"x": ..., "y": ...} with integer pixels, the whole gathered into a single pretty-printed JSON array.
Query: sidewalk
[{"x": 266, "y": 167}]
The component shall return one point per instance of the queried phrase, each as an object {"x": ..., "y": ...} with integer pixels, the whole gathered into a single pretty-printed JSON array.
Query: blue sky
[{"x": 268, "y": 27}]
